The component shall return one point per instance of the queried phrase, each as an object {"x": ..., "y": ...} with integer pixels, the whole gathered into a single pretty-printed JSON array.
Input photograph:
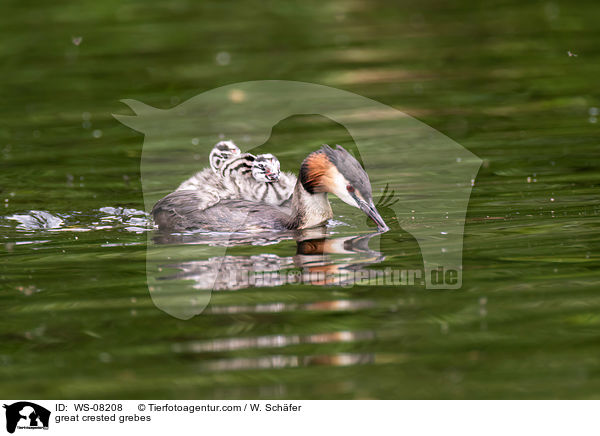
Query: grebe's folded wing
[
  {"x": 243, "y": 215},
  {"x": 176, "y": 210},
  {"x": 180, "y": 211}
]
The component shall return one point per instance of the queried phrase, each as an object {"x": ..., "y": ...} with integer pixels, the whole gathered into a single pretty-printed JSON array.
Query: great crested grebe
[
  {"x": 325, "y": 170},
  {"x": 243, "y": 176}
]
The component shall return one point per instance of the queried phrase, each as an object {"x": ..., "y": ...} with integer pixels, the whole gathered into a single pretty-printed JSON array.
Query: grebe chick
[
  {"x": 325, "y": 170},
  {"x": 257, "y": 179},
  {"x": 221, "y": 152},
  {"x": 243, "y": 176}
]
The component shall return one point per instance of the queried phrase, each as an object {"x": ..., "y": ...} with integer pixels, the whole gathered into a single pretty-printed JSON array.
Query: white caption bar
[{"x": 24, "y": 417}]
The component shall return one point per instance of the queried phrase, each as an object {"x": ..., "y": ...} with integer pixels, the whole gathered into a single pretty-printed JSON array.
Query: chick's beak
[
  {"x": 271, "y": 176},
  {"x": 371, "y": 211}
]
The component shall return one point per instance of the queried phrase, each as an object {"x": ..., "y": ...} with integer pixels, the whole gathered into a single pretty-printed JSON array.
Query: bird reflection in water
[
  {"x": 320, "y": 259},
  {"x": 269, "y": 344}
]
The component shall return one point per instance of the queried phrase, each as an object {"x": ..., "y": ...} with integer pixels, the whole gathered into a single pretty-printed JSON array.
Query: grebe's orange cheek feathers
[{"x": 314, "y": 173}]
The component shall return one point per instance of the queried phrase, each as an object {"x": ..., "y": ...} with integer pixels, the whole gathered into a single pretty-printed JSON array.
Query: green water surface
[{"x": 76, "y": 317}]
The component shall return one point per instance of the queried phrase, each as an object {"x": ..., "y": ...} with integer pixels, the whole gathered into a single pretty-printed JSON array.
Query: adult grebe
[{"x": 325, "y": 170}]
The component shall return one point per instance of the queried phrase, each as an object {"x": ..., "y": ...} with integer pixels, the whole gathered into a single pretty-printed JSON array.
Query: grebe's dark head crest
[
  {"x": 221, "y": 152},
  {"x": 337, "y": 171},
  {"x": 266, "y": 168}
]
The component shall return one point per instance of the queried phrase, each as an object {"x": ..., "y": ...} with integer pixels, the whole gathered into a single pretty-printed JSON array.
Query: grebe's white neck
[{"x": 309, "y": 210}]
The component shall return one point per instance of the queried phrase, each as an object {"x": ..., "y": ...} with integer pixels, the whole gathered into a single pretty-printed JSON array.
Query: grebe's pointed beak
[{"x": 371, "y": 211}]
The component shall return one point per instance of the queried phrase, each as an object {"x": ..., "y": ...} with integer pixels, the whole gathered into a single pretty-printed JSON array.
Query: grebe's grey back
[{"x": 325, "y": 170}]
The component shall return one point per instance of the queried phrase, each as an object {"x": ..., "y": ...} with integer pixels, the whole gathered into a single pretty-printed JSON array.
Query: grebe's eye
[{"x": 350, "y": 188}]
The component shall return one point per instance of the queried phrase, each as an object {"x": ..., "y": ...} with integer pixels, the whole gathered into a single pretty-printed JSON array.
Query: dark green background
[{"x": 76, "y": 318}]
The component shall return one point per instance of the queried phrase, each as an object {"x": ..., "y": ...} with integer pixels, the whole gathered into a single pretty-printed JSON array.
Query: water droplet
[
  {"x": 97, "y": 133},
  {"x": 444, "y": 328},
  {"x": 223, "y": 58}
]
